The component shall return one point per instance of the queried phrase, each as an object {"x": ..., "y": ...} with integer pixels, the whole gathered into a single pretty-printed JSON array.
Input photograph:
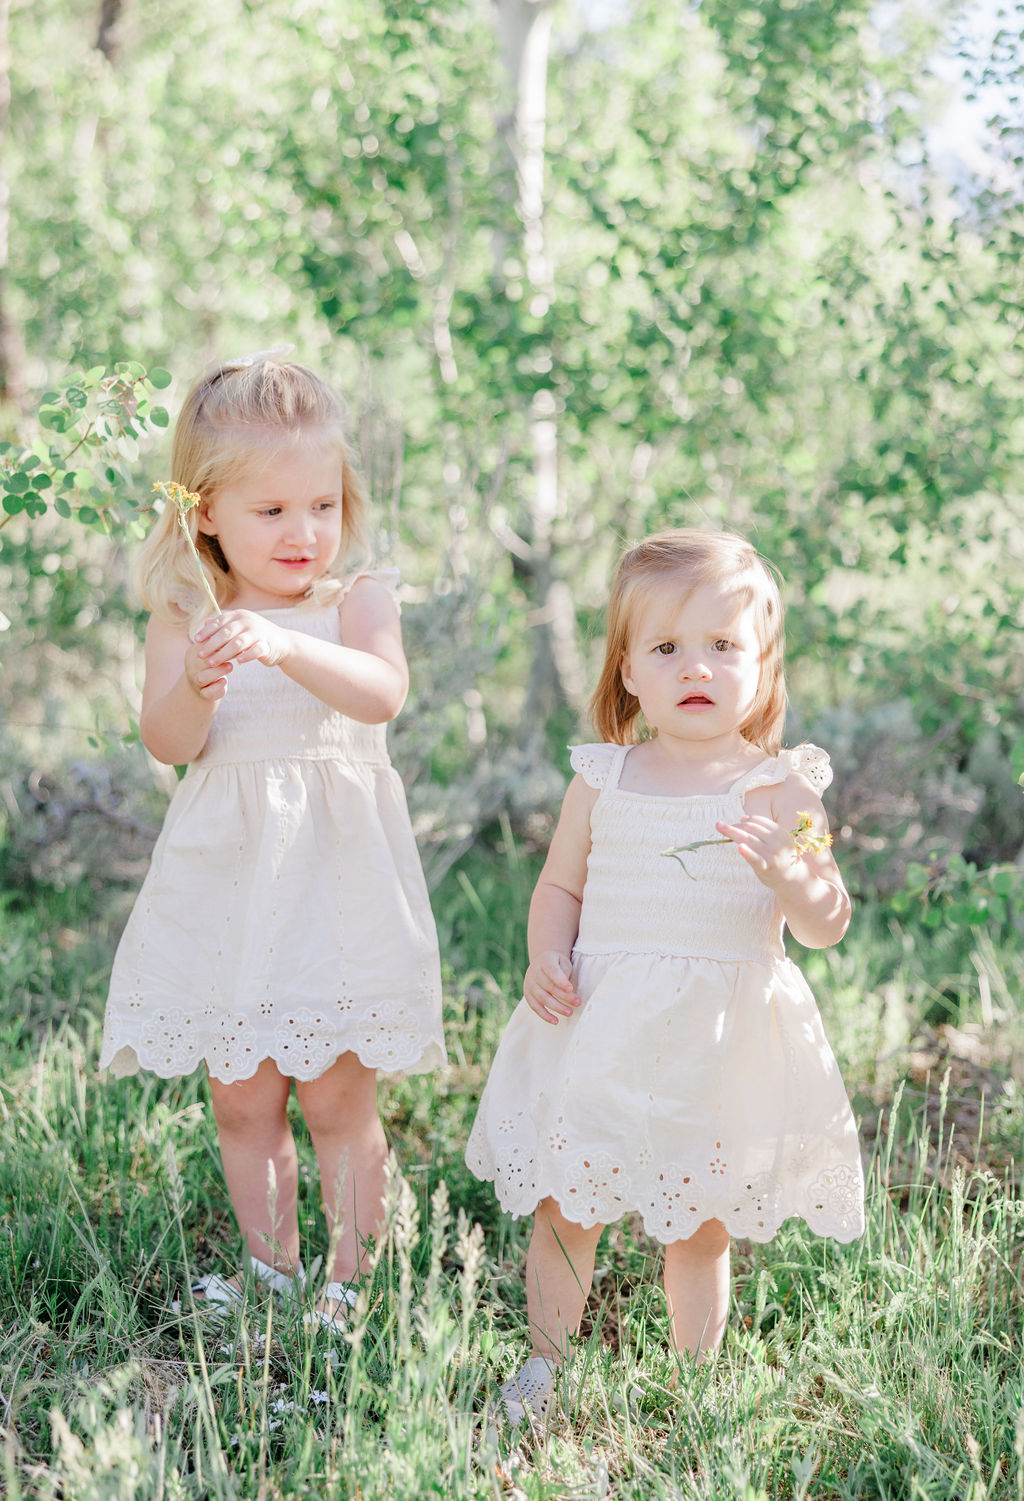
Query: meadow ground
[{"x": 888, "y": 1368}]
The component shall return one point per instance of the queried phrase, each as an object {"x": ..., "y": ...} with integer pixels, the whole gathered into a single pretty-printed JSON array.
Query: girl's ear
[
  {"x": 206, "y": 523},
  {"x": 626, "y": 675}
]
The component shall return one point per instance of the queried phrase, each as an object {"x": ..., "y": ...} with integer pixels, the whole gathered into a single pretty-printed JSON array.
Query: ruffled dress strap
[
  {"x": 387, "y": 576},
  {"x": 599, "y": 765},
  {"x": 808, "y": 761}
]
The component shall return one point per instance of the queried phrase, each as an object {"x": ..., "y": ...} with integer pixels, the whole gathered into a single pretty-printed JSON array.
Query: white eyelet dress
[
  {"x": 285, "y": 914},
  {"x": 695, "y": 1081}
]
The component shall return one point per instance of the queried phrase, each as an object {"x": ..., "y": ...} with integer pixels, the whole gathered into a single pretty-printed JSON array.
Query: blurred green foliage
[{"x": 764, "y": 309}]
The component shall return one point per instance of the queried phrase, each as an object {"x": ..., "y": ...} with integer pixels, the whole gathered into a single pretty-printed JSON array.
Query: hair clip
[{"x": 246, "y": 360}]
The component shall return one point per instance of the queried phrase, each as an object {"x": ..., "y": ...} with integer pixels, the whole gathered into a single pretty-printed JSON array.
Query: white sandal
[
  {"x": 342, "y": 1293},
  {"x": 527, "y": 1398},
  {"x": 220, "y": 1294}
]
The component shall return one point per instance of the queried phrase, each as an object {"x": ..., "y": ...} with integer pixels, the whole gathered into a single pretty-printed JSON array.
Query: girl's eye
[
  {"x": 270, "y": 511},
  {"x": 722, "y": 645},
  {"x": 665, "y": 649},
  {"x": 326, "y": 505}
]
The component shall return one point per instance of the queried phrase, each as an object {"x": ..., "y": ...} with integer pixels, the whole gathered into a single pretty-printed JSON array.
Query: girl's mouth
[
  {"x": 295, "y": 562},
  {"x": 696, "y": 701}
]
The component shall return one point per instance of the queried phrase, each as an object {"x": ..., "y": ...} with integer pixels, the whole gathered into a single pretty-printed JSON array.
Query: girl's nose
[
  {"x": 301, "y": 528},
  {"x": 694, "y": 666}
]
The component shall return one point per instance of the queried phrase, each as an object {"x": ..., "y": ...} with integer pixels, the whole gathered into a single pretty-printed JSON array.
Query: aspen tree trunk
[
  {"x": 107, "y": 32},
  {"x": 556, "y": 674},
  {"x": 12, "y": 352}
]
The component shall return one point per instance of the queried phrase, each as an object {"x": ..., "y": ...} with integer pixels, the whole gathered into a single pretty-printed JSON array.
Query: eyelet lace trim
[
  {"x": 809, "y": 761},
  {"x": 674, "y": 1198},
  {"x": 593, "y": 762}
]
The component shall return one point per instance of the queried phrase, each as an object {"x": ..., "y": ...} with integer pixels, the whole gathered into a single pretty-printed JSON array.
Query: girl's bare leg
[
  {"x": 559, "y": 1271},
  {"x": 253, "y": 1130},
  {"x": 697, "y": 1288},
  {"x": 341, "y": 1112}
]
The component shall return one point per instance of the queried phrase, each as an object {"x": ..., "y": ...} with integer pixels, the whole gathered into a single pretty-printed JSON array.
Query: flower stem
[{"x": 199, "y": 563}]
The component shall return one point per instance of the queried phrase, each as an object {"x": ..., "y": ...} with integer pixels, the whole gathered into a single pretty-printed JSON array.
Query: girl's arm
[
  {"x": 807, "y": 886},
  {"x": 366, "y": 679},
  {"x": 555, "y": 909},
  {"x": 179, "y": 696}
]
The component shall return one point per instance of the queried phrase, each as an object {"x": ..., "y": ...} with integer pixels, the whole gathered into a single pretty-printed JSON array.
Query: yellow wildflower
[{"x": 805, "y": 837}]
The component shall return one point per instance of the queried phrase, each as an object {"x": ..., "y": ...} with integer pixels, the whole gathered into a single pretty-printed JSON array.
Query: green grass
[{"x": 889, "y": 1368}]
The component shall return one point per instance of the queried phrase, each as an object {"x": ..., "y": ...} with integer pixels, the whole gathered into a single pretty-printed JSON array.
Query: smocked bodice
[
  {"x": 266, "y": 717},
  {"x": 638, "y": 900}
]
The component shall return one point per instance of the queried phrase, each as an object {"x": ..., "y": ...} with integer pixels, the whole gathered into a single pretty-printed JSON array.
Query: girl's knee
[
  {"x": 707, "y": 1243},
  {"x": 548, "y": 1219},
  {"x": 341, "y": 1102},
  {"x": 240, "y": 1109}
]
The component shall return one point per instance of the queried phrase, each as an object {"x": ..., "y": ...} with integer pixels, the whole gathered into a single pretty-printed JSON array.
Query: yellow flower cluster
[
  {"x": 176, "y": 494},
  {"x": 807, "y": 837}
]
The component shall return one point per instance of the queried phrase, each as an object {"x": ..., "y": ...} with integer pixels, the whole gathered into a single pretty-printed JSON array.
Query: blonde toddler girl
[
  {"x": 667, "y": 1058},
  {"x": 283, "y": 933}
]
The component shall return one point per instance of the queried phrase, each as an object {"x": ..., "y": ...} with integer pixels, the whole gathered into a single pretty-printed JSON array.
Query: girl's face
[
  {"x": 694, "y": 663},
  {"x": 278, "y": 525}
]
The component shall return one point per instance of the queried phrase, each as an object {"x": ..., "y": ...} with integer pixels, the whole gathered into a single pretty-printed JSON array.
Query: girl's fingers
[
  {"x": 551, "y": 1007},
  {"x": 539, "y": 1009}
]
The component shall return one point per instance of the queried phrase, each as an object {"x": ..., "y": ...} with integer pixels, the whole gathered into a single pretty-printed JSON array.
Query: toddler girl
[
  {"x": 283, "y": 931},
  {"x": 667, "y": 1058}
]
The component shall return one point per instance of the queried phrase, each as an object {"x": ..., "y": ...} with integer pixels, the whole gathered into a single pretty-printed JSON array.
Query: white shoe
[
  {"x": 220, "y": 1294},
  {"x": 527, "y": 1398},
  {"x": 288, "y": 1284},
  {"x": 341, "y": 1293}
]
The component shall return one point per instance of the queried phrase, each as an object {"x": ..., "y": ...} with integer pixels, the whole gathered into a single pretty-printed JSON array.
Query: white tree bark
[
  {"x": 12, "y": 353},
  {"x": 524, "y": 32}
]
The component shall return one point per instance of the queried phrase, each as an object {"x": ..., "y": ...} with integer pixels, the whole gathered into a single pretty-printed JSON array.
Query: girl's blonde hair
[
  {"x": 234, "y": 417},
  {"x": 693, "y": 558}
]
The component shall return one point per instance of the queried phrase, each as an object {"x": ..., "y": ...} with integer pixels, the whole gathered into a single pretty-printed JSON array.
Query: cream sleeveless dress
[
  {"x": 285, "y": 914},
  {"x": 695, "y": 1080}
]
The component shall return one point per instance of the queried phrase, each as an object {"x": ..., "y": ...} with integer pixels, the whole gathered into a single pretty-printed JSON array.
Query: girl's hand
[
  {"x": 768, "y": 848},
  {"x": 241, "y": 636},
  {"x": 209, "y": 681},
  {"x": 548, "y": 989},
  {"x": 805, "y": 879}
]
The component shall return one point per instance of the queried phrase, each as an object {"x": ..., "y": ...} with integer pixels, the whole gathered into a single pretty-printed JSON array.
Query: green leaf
[
  {"x": 159, "y": 417},
  {"x": 43, "y": 481},
  {"x": 76, "y": 397},
  {"x": 96, "y": 373},
  {"x": 16, "y": 483},
  {"x": 87, "y": 514},
  {"x": 161, "y": 379},
  {"x": 61, "y": 506},
  {"x": 13, "y": 504}
]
